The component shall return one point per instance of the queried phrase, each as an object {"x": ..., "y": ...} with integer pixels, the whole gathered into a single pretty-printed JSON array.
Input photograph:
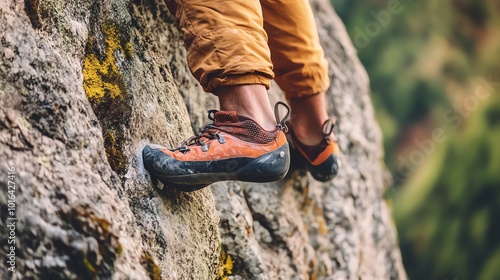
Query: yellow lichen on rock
[
  {"x": 151, "y": 267},
  {"x": 229, "y": 264},
  {"x": 105, "y": 88},
  {"x": 128, "y": 49},
  {"x": 101, "y": 77},
  {"x": 225, "y": 267}
]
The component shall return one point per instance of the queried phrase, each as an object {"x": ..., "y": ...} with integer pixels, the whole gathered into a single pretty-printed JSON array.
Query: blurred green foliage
[{"x": 434, "y": 67}]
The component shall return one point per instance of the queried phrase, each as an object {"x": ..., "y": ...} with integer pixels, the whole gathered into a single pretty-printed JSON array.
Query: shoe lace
[
  {"x": 211, "y": 131},
  {"x": 206, "y": 132}
]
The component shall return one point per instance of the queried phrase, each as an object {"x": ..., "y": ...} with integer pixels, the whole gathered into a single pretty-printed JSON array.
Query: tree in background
[{"x": 435, "y": 78}]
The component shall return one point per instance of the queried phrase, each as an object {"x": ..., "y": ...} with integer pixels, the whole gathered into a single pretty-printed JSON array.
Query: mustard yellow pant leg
[
  {"x": 225, "y": 41},
  {"x": 299, "y": 63}
]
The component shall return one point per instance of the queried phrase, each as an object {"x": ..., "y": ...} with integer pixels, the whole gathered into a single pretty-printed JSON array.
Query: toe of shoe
[
  {"x": 327, "y": 170},
  {"x": 155, "y": 161},
  {"x": 148, "y": 157}
]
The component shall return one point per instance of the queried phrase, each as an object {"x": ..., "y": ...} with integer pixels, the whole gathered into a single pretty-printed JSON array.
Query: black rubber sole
[
  {"x": 269, "y": 167},
  {"x": 324, "y": 172}
]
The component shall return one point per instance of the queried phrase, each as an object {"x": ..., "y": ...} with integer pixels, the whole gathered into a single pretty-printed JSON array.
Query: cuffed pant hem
[
  {"x": 304, "y": 86},
  {"x": 233, "y": 80}
]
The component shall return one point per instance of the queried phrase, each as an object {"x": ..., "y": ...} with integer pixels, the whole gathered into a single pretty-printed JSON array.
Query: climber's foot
[
  {"x": 322, "y": 159},
  {"x": 233, "y": 147}
]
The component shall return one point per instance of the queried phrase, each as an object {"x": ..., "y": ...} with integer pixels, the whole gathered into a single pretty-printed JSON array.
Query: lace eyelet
[
  {"x": 204, "y": 147},
  {"x": 220, "y": 138}
]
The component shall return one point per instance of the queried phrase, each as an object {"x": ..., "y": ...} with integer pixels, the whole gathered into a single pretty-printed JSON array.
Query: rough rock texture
[
  {"x": 302, "y": 229},
  {"x": 85, "y": 84}
]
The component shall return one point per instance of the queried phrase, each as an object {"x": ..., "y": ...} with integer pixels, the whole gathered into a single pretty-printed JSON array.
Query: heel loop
[{"x": 281, "y": 121}]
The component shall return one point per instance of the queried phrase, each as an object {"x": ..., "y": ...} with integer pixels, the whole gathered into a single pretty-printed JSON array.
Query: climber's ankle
[
  {"x": 308, "y": 116},
  {"x": 250, "y": 101}
]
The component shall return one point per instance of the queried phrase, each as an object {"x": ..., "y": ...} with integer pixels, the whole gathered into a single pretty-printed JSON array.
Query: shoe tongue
[{"x": 225, "y": 117}]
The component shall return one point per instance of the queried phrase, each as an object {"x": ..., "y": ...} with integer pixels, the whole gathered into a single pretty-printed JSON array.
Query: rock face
[{"x": 84, "y": 85}]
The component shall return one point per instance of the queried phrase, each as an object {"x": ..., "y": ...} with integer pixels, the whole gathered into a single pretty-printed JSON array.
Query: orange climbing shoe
[
  {"x": 320, "y": 160},
  {"x": 233, "y": 147}
]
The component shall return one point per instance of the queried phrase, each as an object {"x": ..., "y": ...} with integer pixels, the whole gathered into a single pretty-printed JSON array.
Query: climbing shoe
[
  {"x": 320, "y": 160},
  {"x": 232, "y": 147}
]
